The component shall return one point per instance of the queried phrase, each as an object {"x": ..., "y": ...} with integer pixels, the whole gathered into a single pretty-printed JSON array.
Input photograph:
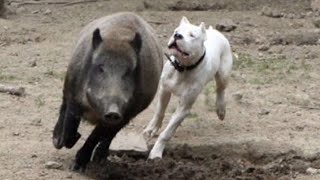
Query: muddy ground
[{"x": 271, "y": 130}]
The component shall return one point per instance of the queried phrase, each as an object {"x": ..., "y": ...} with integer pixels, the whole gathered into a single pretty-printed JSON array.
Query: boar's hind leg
[
  {"x": 71, "y": 125},
  {"x": 66, "y": 130},
  {"x": 57, "y": 132},
  {"x": 100, "y": 134}
]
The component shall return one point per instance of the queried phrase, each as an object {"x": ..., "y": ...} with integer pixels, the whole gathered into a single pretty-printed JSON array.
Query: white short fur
[{"x": 187, "y": 85}]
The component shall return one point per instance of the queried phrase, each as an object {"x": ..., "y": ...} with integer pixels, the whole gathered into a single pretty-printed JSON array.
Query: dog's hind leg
[
  {"x": 220, "y": 102},
  {"x": 156, "y": 122},
  {"x": 221, "y": 78}
]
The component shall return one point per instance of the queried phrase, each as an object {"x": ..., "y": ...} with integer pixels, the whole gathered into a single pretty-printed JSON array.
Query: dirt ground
[{"x": 271, "y": 130}]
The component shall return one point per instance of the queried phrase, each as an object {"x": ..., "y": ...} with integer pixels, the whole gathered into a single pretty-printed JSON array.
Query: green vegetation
[
  {"x": 6, "y": 77},
  {"x": 262, "y": 71},
  {"x": 54, "y": 74},
  {"x": 40, "y": 101},
  {"x": 210, "y": 94}
]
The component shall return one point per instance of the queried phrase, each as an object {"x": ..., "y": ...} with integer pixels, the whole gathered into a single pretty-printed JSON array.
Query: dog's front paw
[
  {"x": 157, "y": 149},
  {"x": 150, "y": 131},
  {"x": 155, "y": 154}
]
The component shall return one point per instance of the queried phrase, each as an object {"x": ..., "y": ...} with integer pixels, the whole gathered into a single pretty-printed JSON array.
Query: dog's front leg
[
  {"x": 176, "y": 119},
  {"x": 156, "y": 122}
]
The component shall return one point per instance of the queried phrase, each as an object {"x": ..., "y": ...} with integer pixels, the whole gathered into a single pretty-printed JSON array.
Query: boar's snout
[{"x": 112, "y": 115}]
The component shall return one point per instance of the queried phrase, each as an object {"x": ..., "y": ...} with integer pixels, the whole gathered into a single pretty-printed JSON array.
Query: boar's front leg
[
  {"x": 66, "y": 129},
  {"x": 100, "y": 134}
]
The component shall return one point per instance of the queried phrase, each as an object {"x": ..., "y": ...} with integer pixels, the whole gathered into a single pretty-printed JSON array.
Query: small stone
[
  {"x": 42, "y": 173},
  {"x": 316, "y": 23},
  {"x": 237, "y": 96},
  {"x": 35, "y": 12},
  {"x": 309, "y": 14},
  {"x": 5, "y": 27},
  {"x": 311, "y": 171},
  {"x": 267, "y": 11},
  {"x": 296, "y": 25},
  {"x": 264, "y": 47},
  {"x": 47, "y": 12},
  {"x": 14, "y": 4},
  {"x": 69, "y": 176},
  {"x": 53, "y": 165},
  {"x": 264, "y": 112},
  {"x": 16, "y": 134},
  {"x": 315, "y": 5},
  {"x": 21, "y": 10},
  {"x": 290, "y": 16},
  {"x": 300, "y": 128},
  {"x": 33, "y": 63},
  {"x": 34, "y": 156},
  {"x": 226, "y": 25}
]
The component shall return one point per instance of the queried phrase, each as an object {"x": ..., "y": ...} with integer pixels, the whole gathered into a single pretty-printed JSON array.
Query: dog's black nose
[{"x": 178, "y": 36}]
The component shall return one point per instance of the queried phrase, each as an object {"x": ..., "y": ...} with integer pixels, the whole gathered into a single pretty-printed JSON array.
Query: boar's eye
[{"x": 100, "y": 68}]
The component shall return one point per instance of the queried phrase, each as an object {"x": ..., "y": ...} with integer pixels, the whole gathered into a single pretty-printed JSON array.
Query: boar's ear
[
  {"x": 136, "y": 43},
  {"x": 96, "y": 39}
]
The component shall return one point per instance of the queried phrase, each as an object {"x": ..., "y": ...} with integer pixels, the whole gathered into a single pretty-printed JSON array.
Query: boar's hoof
[
  {"x": 101, "y": 153},
  {"x": 78, "y": 168},
  {"x": 70, "y": 142},
  {"x": 58, "y": 142},
  {"x": 82, "y": 159}
]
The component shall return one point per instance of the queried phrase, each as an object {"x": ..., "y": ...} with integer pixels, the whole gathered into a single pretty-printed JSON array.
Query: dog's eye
[{"x": 191, "y": 35}]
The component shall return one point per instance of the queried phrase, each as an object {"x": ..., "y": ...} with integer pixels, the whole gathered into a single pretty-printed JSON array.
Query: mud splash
[{"x": 202, "y": 162}]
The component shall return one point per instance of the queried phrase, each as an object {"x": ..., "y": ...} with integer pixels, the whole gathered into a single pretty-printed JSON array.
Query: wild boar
[{"x": 113, "y": 75}]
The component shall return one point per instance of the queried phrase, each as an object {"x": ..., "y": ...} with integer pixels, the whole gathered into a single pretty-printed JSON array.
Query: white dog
[{"x": 197, "y": 57}]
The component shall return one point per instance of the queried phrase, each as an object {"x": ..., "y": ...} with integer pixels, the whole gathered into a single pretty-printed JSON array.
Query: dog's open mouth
[{"x": 175, "y": 46}]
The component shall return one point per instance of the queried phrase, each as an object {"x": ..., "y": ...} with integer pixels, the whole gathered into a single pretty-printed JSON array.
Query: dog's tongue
[
  {"x": 176, "y": 52},
  {"x": 173, "y": 51}
]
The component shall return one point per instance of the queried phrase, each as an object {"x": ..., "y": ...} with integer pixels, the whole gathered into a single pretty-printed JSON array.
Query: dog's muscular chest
[{"x": 181, "y": 83}]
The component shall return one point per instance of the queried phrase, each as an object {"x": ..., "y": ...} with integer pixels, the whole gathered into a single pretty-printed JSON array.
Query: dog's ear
[
  {"x": 202, "y": 27},
  {"x": 184, "y": 20},
  {"x": 203, "y": 30}
]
